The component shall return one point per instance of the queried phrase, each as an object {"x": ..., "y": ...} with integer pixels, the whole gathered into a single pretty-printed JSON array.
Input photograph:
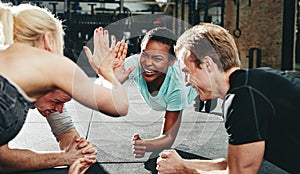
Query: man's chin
[{"x": 45, "y": 114}]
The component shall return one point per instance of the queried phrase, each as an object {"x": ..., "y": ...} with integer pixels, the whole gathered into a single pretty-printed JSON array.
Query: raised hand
[
  {"x": 123, "y": 50},
  {"x": 120, "y": 72},
  {"x": 139, "y": 147},
  {"x": 101, "y": 49},
  {"x": 106, "y": 63}
]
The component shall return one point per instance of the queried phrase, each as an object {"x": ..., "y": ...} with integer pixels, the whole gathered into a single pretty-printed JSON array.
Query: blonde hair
[
  {"x": 28, "y": 24},
  {"x": 6, "y": 18}
]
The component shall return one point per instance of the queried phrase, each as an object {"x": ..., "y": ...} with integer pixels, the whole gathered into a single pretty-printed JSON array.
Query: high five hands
[{"x": 102, "y": 58}]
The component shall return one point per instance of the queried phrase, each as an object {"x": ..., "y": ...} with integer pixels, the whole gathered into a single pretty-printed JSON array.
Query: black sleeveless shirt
[{"x": 13, "y": 110}]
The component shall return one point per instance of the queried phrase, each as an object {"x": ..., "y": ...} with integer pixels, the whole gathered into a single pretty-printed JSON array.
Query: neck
[
  {"x": 154, "y": 86},
  {"x": 227, "y": 84}
]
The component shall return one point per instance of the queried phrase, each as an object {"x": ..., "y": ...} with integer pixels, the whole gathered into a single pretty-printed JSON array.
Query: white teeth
[{"x": 148, "y": 71}]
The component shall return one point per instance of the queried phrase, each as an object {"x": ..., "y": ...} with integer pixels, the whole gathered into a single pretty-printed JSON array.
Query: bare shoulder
[
  {"x": 25, "y": 51},
  {"x": 42, "y": 68},
  {"x": 18, "y": 48}
]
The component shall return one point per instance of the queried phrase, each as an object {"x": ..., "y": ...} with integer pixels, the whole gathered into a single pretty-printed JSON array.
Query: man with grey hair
[{"x": 260, "y": 109}]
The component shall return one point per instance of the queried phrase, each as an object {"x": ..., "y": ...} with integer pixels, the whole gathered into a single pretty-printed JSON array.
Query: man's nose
[
  {"x": 185, "y": 73},
  {"x": 187, "y": 78}
]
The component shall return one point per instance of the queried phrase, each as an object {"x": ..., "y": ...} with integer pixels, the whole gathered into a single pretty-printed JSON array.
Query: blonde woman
[
  {"x": 39, "y": 28},
  {"x": 29, "y": 76}
]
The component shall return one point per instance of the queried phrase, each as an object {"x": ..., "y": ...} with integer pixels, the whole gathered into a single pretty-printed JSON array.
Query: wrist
[
  {"x": 107, "y": 74},
  {"x": 185, "y": 169},
  {"x": 64, "y": 159}
]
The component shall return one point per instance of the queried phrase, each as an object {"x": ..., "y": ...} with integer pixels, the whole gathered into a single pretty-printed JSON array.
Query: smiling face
[
  {"x": 51, "y": 102},
  {"x": 155, "y": 60},
  {"x": 198, "y": 77},
  {"x": 210, "y": 55}
]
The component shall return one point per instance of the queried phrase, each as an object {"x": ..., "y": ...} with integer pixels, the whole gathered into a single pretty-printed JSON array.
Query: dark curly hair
[{"x": 163, "y": 35}]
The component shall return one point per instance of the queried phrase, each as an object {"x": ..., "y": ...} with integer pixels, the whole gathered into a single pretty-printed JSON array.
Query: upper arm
[
  {"x": 72, "y": 79},
  {"x": 245, "y": 158},
  {"x": 75, "y": 82},
  {"x": 3, "y": 152},
  {"x": 4, "y": 157}
]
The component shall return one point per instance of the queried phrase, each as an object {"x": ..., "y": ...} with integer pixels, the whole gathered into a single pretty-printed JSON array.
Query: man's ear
[
  {"x": 47, "y": 41},
  {"x": 208, "y": 63}
]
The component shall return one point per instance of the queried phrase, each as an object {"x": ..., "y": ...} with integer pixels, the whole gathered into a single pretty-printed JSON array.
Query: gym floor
[{"x": 200, "y": 133}]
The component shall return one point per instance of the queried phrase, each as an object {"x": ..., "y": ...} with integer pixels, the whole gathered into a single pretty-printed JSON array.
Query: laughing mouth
[{"x": 148, "y": 71}]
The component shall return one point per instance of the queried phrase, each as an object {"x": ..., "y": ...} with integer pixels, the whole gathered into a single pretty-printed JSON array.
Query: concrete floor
[{"x": 200, "y": 133}]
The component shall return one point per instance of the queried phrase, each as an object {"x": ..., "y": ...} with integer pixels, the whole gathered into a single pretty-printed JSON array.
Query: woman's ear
[{"x": 47, "y": 42}]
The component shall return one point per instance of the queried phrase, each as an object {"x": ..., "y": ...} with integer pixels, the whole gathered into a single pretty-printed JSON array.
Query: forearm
[
  {"x": 62, "y": 128},
  {"x": 110, "y": 101},
  {"x": 206, "y": 165},
  {"x": 66, "y": 138},
  {"x": 169, "y": 133},
  {"x": 197, "y": 171},
  {"x": 159, "y": 143},
  {"x": 116, "y": 100},
  {"x": 22, "y": 160}
]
